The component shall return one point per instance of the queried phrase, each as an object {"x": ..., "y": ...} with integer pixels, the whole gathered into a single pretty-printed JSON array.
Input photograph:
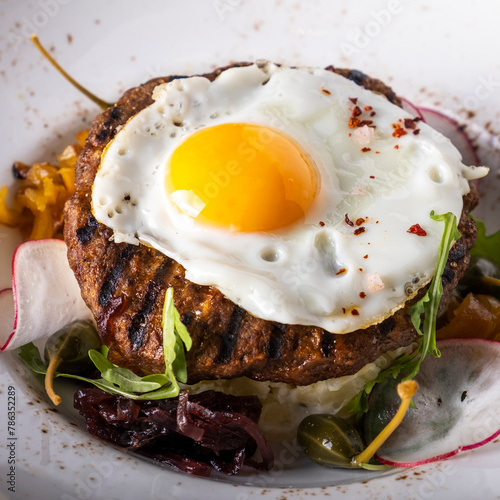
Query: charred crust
[
  {"x": 108, "y": 288},
  {"x": 137, "y": 331},
  {"x": 84, "y": 233},
  {"x": 387, "y": 326},
  {"x": 276, "y": 341},
  {"x": 327, "y": 343},
  {"x": 230, "y": 337}
]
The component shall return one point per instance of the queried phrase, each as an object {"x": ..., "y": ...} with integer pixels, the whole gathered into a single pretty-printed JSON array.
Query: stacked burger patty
[{"x": 124, "y": 285}]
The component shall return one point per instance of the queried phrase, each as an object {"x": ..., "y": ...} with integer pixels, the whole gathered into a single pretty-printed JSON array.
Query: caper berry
[
  {"x": 71, "y": 345},
  {"x": 329, "y": 440}
]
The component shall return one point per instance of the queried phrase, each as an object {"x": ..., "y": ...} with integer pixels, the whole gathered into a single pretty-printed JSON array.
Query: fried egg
[{"x": 301, "y": 196}]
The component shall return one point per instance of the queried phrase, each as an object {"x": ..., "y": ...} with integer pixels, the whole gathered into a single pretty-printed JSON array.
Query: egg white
[{"x": 319, "y": 271}]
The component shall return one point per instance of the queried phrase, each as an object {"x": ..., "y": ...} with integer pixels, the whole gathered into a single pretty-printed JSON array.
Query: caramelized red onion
[{"x": 195, "y": 434}]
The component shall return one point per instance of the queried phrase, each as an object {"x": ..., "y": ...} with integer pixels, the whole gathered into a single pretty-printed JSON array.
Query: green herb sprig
[
  {"x": 124, "y": 382},
  {"x": 409, "y": 364}
]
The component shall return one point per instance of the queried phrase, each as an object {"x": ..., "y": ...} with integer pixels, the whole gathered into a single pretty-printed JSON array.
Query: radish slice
[
  {"x": 7, "y": 313},
  {"x": 409, "y": 107},
  {"x": 44, "y": 297},
  {"x": 457, "y": 405},
  {"x": 454, "y": 131}
]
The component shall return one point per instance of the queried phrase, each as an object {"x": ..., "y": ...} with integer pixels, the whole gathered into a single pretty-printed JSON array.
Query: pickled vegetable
[
  {"x": 477, "y": 316},
  {"x": 333, "y": 442},
  {"x": 329, "y": 440},
  {"x": 40, "y": 194}
]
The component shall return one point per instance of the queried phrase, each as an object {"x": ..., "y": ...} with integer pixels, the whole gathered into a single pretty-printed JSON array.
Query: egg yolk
[{"x": 248, "y": 177}]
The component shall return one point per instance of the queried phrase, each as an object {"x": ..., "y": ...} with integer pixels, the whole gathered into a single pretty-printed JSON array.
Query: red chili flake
[
  {"x": 355, "y": 312},
  {"x": 354, "y": 122},
  {"x": 377, "y": 152},
  {"x": 356, "y": 111},
  {"x": 343, "y": 310},
  {"x": 348, "y": 221},
  {"x": 359, "y": 221},
  {"x": 368, "y": 123},
  {"x": 359, "y": 231},
  {"x": 354, "y": 100},
  {"x": 416, "y": 229},
  {"x": 396, "y": 147},
  {"x": 321, "y": 223},
  {"x": 372, "y": 177},
  {"x": 367, "y": 108},
  {"x": 325, "y": 91},
  {"x": 362, "y": 295},
  {"x": 416, "y": 131},
  {"x": 360, "y": 269},
  {"x": 409, "y": 123},
  {"x": 398, "y": 130},
  {"x": 365, "y": 257},
  {"x": 373, "y": 113},
  {"x": 343, "y": 270},
  {"x": 365, "y": 150}
]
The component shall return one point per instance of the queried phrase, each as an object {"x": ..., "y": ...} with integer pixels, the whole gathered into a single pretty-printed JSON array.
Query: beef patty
[{"x": 124, "y": 286}]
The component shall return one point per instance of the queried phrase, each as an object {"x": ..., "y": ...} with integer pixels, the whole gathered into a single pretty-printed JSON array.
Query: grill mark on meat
[
  {"x": 357, "y": 76},
  {"x": 139, "y": 325},
  {"x": 327, "y": 343},
  {"x": 229, "y": 339},
  {"x": 387, "y": 326},
  {"x": 109, "y": 285},
  {"x": 457, "y": 252},
  {"x": 107, "y": 129},
  {"x": 85, "y": 233},
  {"x": 187, "y": 317},
  {"x": 447, "y": 276},
  {"x": 116, "y": 113},
  {"x": 276, "y": 341}
]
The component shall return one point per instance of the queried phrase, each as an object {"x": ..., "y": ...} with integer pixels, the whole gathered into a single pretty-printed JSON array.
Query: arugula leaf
[
  {"x": 30, "y": 356},
  {"x": 428, "y": 305},
  {"x": 124, "y": 382},
  {"x": 486, "y": 246},
  {"x": 409, "y": 364},
  {"x": 175, "y": 337},
  {"x": 115, "y": 380},
  {"x": 121, "y": 377}
]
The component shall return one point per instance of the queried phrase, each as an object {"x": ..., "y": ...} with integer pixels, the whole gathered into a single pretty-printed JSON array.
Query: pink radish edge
[
  {"x": 13, "y": 291},
  {"x": 64, "y": 305},
  {"x": 435, "y": 118},
  {"x": 4, "y": 297},
  {"x": 409, "y": 107},
  {"x": 444, "y": 456}
]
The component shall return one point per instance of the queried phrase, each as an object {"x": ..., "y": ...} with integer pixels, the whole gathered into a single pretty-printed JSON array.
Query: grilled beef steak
[{"x": 124, "y": 286}]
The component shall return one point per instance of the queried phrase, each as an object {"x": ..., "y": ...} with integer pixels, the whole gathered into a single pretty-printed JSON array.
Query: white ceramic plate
[{"x": 433, "y": 53}]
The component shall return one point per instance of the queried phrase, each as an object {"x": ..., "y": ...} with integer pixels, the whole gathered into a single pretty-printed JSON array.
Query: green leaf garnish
[
  {"x": 409, "y": 364},
  {"x": 175, "y": 337},
  {"x": 30, "y": 356},
  {"x": 486, "y": 246},
  {"x": 124, "y": 382}
]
